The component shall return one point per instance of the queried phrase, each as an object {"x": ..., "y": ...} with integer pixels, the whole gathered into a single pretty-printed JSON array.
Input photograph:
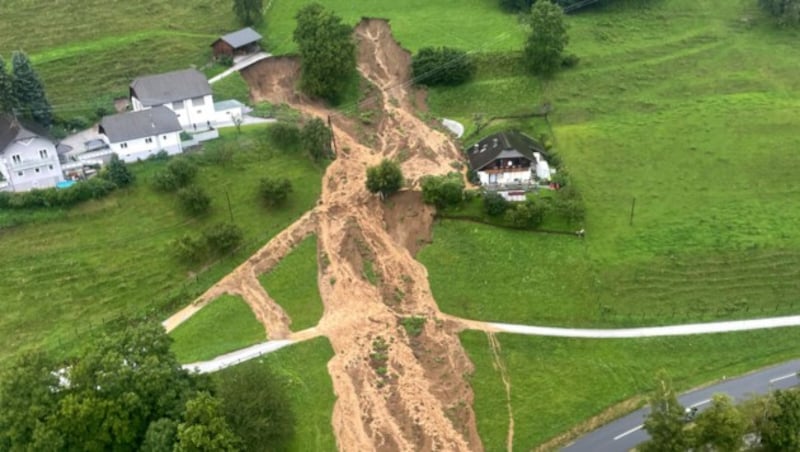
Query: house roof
[
  {"x": 507, "y": 144},
  {"x": 12, "y": 129},
  {"x": 240, "y": 38},
  {"x": 139, "y": 124},
  {"x": 159, "y": 89}
]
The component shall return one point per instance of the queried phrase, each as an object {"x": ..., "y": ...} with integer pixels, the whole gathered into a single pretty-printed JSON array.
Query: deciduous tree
[
  {"x": 118, "y": 172},
  {"x": 274, "y": 191},
  {"x": 204, "y": 428},
  {"x": 665, "y": 424},
  {"x": 29, "y": 95},
  {"x": 249, "y": 12},
  {"x": 720, "y": 427},
  {"x": 441, "y": 66},
  {"x": 384, "y": 178},
  {"x": 780, "y": 428},
  {"x": 547, "y": 38},
  {"x": 316, "y": 139},
  {"x": 327, "y": 50},
  {"x": 443, "y": 191}
]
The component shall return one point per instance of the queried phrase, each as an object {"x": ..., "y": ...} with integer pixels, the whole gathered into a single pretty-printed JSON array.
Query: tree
[
  {"x": 118, "y": 172},
  {"x": 721, "y": 427},
  {"x": 441, "y": 66},
  {"x": 316, "y": 139},
  {"x": 249, "y": 12},
  {"x": 665, "y": 423},
  {"x": 516, "y": 5},
  {"x": 6, "y": 89},
  {"x": 494, "y": 204},
  {"x": 107, "y": 399},
  {"x": 780, "y": 428},
  {"x": 204, "y": 427},
  {"x": 178, "y": 173},
  {"x": 527, "y": 215},
  {"x": 255, "y": 404},
  {"x": 29, "y": 94},
  {"x": 161, "y": 436},
  {"x": 223, "y": 238},
  {"x": 385, "y": 178},
  {"x": 194, "y": 200},
  {"x": 547, "y": 39},
  {"x": 274, "y": 191},
  {"x": 327, "y": 50},
  {"x": 785, "y": 12},
  {"x": 443, "y": 191}
]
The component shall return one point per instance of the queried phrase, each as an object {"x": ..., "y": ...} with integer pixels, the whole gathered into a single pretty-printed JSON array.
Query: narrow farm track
[{"x": 494, "y": 345}]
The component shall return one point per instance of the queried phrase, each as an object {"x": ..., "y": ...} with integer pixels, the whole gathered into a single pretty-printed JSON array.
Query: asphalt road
[{"x": 626, "y": 432}]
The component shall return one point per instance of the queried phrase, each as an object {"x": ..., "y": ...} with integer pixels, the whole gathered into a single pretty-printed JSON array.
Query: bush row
[{"x": 94, "y": 188}]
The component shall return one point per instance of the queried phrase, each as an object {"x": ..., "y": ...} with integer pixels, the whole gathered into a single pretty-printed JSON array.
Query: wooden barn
[{"x": 239, "y": 42}]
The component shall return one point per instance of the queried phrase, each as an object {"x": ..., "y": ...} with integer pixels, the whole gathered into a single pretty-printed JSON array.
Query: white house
[
  {"x": 139, "y": 134},
  {"x": 28, "y": 159},
  {"x": 185, "y": 92},
  {"x": 510, "y": 163}
]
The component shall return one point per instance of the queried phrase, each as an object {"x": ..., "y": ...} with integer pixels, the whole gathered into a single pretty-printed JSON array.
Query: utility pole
[
  {"x": 228, "y": 198},
  {"x": 633, "y": 206}
]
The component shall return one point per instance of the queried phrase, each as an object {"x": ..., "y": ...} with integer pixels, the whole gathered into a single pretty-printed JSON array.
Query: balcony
[{"x": 31, "y": 163}]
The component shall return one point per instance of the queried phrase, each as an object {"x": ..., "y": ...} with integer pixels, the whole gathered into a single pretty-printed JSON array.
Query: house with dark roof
[
  {"x": 237, "y": 43},
  {"x": 185, "y": 92},
  {"x": 137, "y": 135},
  {"x": 510, "y": 163},
  {"x": 28, "y": 158}
]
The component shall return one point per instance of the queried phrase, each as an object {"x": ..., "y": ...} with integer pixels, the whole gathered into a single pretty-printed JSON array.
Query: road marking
[
  {"x": 628, "y": 432},
  {"x": 702, "y": 402},
  {"x": 783, "y": 377}
]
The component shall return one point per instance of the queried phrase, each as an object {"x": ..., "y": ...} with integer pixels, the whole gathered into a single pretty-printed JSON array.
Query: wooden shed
[{"x": 239, "y": 42}]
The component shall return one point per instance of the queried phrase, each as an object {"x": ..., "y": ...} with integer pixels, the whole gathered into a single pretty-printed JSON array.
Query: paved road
[
  {"x": 243, "y": 63},
  {"x": 655, "y": 331},
  {"x": 239, "y": 356},
  {"x": 626, "y": 432}
]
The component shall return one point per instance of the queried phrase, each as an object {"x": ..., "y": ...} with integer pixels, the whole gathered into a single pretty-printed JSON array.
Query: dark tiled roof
[
  {"x": 503, "y": 144},
  {"x": 139, "y": 124},
  {"x": 240, "y": 38},
  {"x": 159, "y": 89},
  {"x": 12, "y": 129}
]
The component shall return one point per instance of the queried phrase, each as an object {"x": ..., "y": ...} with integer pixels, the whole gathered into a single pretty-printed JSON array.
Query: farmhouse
[
  {"x": 237, "y": 43},
  {"x": 510, "y": 163},
  {"x": 28, "y": 159},
  {"x": 139, "y": 134},
  {"x": 185, "y": 92}
]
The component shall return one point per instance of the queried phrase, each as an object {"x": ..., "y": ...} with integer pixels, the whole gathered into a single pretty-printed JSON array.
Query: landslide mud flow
[{"x": 395, "y": 392}]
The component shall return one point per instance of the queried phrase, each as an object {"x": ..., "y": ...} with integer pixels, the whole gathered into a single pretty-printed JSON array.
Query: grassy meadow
[
  {"x": 65, "y": 277},
  {"x": 304, "y": 367},
  {"x": 557, "y": 383},
  {"x": 688, "y": 107},
  {"x": 293, "y": 285},
  {"x": 225, "y": 325}
]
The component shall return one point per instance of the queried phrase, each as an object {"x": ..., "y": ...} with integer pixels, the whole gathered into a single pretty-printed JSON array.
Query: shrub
[
  {"x": 274, "y": 191},
  {"x": 316, "y": 139},
  {"x": 385, "y": 178},
  {"x": 284, "y": 134},
  {"x": 494, "y": 204},
  {"x": 443, "y": 191},
  {"x": 189, "y": 249},
  {"x": 785, "y": 12},
  {"x": 472, "y": 177},
  {"x": 118, "y": 172},
  {"x": 442, "y": 66},
  {"x": 528, "y": 215},
  {"x": 570, "y": 60},
  {"x": 223, "y": 238},
  {"x": 178, "y": 173},
  {"x": 194, "y": 200}
]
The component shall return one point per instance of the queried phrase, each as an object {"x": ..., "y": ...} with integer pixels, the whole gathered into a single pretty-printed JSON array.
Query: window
[
  {"x": 43, "y": 154},
  {"x": 50, "y": 167},
  {"x": 123, "y": 145},
  {"x": 19, "y": 174},
  {"x": 199, "y": 112},
  {"x": 164, "y": 137},
  {"x": 148, "y": 140},
  {"x": 37, "y": 170},
  {"x": 177, "y": 105},
  {"x": 198, "y": 102},
  {"x": 16, "y": 158}
]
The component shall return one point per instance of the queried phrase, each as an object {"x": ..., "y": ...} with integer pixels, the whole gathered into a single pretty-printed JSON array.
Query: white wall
[
  {"x": 515, "y": 177},
  {"x": 189, "y": 115},
  {"x": 225, "y": 117},
  {"x": 32, "y": 170},
  {"x": 140, "y": 148}
]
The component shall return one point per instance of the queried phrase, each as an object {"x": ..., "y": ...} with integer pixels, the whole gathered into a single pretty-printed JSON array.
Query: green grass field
[
  {"x": 557, "y": 383},
  {"x": 293, "y": 285},
  {"x": 225, "y": 325},
  {"x": 102, "y": 259},
  {"x": 688, "y": 107},
  {"x": 309, "y": 387}
]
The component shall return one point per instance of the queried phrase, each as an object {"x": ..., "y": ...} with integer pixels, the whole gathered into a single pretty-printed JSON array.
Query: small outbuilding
[{"x": 239, "y": 42}]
